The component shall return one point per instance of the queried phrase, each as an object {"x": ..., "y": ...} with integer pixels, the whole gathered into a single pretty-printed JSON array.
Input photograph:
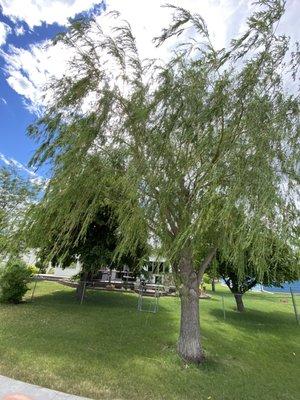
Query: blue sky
[
  {"x": 15, "y": 115},
  {"x": 26, "y": 62}
]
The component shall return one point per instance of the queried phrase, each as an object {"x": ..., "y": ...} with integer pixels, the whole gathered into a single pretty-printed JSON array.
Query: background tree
[
  {"x": 279, "y": 271},
  {"x": 178, "y": 146},
  {"x": 16, "y": 194},
  {"x": 210, "y": 276},
  {"x": 94, "y": 251}
]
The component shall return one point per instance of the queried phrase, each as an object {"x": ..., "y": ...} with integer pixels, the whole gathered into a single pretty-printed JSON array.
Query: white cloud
[
  {"x": 4, "y": 31},
  {"x": 225, "y": 19},
  {"x": 289, "y": 23},
  {"x": 29, "y": 69},
  {"x": 19, "y": 30},
  {"x": 34, "y": 177},
  {"x": 148, "y": 18},
  {"x": 4, "y": 159},
  {"x": 3, "y": 100},
  {"x": 34, "y": 13},
  {"x": 22, "y": 167},
  {"x": 17, "y": 164}
]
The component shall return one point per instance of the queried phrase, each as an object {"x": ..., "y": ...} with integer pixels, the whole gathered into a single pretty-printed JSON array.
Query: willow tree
[
  {"x": 284, "y": 268},
  {"x": 94, "y": 250},
  {"x": 183, "y": 143}
]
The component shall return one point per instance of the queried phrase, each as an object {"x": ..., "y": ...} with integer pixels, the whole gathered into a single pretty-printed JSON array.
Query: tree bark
[
  {"x": 206, "y": 263},
  {"x": 79, "y": 290},
  {"x": 213, "y": 285},
  {"x": 189, "y": 344},
  {"x": 239, "y": 302}
]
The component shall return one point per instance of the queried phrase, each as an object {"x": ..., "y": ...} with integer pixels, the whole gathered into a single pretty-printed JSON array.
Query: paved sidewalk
[{"x": 10, "y": 387}]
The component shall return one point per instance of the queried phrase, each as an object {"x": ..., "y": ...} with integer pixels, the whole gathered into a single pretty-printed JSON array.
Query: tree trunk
[
  {"x": 213, "y": 285},
  {"x": 79, "y": 290},
  {"x": 239, "y": 302},
  {"x": 189, "y": 345}
]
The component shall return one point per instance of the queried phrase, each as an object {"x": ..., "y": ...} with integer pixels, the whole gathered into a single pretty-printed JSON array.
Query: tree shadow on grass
[
  {"x": 92, "y": 298},
  {"x": 107, "y": 311},
  {"x": 51, "y": 294},
  {"x": 252, "y": 319}
]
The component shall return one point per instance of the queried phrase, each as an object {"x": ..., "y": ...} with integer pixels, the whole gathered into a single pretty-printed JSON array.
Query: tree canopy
[{"x": 177, "y": 146}]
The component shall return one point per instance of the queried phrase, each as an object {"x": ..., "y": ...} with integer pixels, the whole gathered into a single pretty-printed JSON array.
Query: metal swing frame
[{"x": 153, "y": 305}]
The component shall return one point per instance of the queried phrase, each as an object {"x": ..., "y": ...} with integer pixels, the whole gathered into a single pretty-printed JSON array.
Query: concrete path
[{"x": 10, "y": 387}]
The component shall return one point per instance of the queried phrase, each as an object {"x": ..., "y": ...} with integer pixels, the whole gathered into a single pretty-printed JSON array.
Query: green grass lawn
[{"x": 106, "y": 349}]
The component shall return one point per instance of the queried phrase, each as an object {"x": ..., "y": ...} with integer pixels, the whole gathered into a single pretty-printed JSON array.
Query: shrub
[
  {"x": 14, "y": 278},
  {"x": 33, "y": 270}
]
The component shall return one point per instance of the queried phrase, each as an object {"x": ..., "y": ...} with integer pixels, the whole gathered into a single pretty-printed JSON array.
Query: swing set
[{"x": 148, "y": 295}]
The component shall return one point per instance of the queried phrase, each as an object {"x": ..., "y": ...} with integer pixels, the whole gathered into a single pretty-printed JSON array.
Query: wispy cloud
[
  {"x": 4, "y": 159},
  {"x": 2, "y": 99},
  {"x": 29, "y": 69},
  {"x": 4, "y": 31},
  {"x": 22, "y": 167},
  {"x": 15, "y": 163},
  {"x": 34, "y": 13},
  {"x": 33, "y": 176}
]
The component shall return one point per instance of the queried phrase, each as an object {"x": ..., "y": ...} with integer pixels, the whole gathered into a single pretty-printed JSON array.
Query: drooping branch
[{"x": 206, "y": 263}]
